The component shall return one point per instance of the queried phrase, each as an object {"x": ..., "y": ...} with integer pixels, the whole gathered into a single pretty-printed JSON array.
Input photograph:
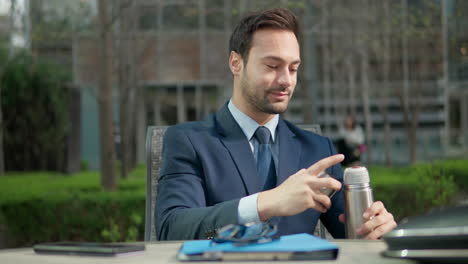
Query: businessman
[{"x": 245, "y": 163}]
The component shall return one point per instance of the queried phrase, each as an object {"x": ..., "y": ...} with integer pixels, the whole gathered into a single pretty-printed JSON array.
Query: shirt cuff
[{"x": 248, "y": 211}]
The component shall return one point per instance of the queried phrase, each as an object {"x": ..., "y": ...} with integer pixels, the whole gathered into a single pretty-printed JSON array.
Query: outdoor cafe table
[{"x": 351, "y": 251}]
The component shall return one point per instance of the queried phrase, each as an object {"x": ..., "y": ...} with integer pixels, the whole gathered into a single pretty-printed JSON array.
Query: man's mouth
[{"x": 280, "y": 95}]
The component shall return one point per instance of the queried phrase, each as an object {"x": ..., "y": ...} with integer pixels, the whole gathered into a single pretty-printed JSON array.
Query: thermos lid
[{"x": 356, "y": 175}]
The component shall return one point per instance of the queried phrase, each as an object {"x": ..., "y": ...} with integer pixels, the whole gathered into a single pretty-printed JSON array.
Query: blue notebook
[{"x": 291, "y": 247}]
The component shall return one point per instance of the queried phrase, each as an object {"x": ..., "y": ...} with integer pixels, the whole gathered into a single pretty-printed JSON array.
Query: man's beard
[{"x": 260, "y": 101}]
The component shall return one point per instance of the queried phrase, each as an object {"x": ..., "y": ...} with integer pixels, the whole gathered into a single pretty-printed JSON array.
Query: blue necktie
[{"x": 265, "y": 164}]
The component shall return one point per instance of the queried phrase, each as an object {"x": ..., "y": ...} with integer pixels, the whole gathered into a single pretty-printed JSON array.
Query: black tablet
[{"x": 87, "y": 248}]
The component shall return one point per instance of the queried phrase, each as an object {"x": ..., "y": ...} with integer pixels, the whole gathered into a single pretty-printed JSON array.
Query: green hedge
[
  {"x": 414, "y": 190},
  {"x": 459, "y": 170},
  {"x": 40, "y": 207}
]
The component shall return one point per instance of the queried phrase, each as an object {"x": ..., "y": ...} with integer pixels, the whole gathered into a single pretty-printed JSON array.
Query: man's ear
[{"x": 235, "y": 63}]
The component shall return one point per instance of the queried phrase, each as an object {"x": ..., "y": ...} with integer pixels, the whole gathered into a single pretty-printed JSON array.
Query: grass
[{"x": 22, "y": 186}]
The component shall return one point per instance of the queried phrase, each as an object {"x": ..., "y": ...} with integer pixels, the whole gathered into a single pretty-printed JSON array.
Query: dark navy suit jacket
[{"x": 208, "y": 166}]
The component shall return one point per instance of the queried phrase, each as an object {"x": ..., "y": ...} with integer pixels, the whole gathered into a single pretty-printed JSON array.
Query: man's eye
[
  {"x": 272, "y": 66},
  {"x": 293, "y": 70}
]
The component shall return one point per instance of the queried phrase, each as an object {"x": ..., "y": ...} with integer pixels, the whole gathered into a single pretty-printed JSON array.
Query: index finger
[
  {"x": 323, "y": 164},
  {"x": 376, "y": 208}
]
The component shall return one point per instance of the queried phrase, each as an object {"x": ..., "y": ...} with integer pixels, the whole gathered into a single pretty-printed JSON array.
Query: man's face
[{"x": 268, "y": 79}]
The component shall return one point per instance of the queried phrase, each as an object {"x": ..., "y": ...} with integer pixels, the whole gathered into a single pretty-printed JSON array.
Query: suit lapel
[
  {"x": 238, "y": 146},
  {"x": 289, "y": 152}
]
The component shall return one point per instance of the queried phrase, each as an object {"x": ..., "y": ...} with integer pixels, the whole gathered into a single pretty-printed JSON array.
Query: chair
[
  {"x": 154, "y": 138},
  {"x": 153, "y": 149}
]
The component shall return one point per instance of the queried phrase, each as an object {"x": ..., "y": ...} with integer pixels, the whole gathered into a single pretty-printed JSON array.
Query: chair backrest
[{"x": 154, "y": 142}]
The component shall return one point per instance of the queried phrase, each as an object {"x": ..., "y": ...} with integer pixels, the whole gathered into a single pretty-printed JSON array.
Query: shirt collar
[{"x": 248, "y": 125}]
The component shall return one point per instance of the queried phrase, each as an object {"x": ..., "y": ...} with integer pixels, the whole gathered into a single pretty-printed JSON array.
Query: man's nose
[{"x": 285, "y": 79}]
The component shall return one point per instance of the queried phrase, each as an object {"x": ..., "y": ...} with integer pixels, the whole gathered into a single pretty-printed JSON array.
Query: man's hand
[
  {"x": 377, "y": 221},
  {"x": 300, "y": 192}
]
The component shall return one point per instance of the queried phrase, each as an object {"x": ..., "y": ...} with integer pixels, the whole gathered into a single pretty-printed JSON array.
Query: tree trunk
[
  {"x": 404, "y": 93},
  {"x": 134, "y": 86},
  {"x": 140, "y": 126},
  {"x": 366, "y": 89},
  {"x": 366, "y": 103},
  {"x": 2, "y": 160},
  {"x": 133, "y": 111},
  {"x": 106, "y": 133},
  {"x": 124, "y": 134},
  {"x": 125, "y": 75},
  {"x": 352, "y": 85},
  {"x": 305, "y": 71},
  {"x": 416, "y": 104},
  {"x": 326, "y": 79},
  {"x": 385, "y": 92},
  {"x": 74, "y": 133},
  {"x": 386, "y": 135},
  {"x": 350, "y": 68},
  {"x": 413, "y": 122},
  {"x": 413, "y": 137}
]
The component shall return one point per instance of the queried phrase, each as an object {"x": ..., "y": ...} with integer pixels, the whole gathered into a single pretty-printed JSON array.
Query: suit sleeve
[
  {"x": 330, "y": 218},
  {"x": 181, "y": 210}
]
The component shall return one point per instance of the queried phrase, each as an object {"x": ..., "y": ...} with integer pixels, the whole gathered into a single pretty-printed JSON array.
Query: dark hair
[
  {"x": 353, "y": 120},
  {"x": 277, "y": 18}
]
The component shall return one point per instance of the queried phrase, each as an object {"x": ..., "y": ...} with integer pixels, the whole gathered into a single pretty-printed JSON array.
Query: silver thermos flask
[{"x": 358, "y": 197}]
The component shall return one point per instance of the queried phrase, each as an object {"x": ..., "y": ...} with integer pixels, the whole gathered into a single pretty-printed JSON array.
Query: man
[{"x": 214, "y": 171}]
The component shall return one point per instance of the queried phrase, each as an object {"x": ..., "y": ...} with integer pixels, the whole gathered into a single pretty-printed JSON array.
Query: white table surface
[{"x": 351, "y": 251}]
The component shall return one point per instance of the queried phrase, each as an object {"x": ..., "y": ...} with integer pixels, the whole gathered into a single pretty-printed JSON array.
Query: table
[{"x": 351, "y": 251}]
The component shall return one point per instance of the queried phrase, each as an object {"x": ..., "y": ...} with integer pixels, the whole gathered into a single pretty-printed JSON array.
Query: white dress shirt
[{"x": 247, "y": 210}]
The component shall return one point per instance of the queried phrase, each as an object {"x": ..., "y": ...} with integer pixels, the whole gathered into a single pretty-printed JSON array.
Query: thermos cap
[{"x": 356, "y": 175}]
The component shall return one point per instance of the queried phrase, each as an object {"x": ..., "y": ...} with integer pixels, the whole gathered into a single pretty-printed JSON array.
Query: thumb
[{"x": 341, "y": 217}]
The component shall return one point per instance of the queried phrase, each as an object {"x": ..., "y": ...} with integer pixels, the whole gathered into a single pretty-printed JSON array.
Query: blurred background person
[{"x": 350, "y": 141}]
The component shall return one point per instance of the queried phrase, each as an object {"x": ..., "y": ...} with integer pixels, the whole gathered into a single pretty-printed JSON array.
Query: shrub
[
  {"x": 77, "y": 218},
  {"x": 458, "y": 169},
  {"x": 44, "y": 207},
  {"x": 34, "y": 103},
  {"x": 419, "y": 188},
  {"x": 435, "y": 187}
]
